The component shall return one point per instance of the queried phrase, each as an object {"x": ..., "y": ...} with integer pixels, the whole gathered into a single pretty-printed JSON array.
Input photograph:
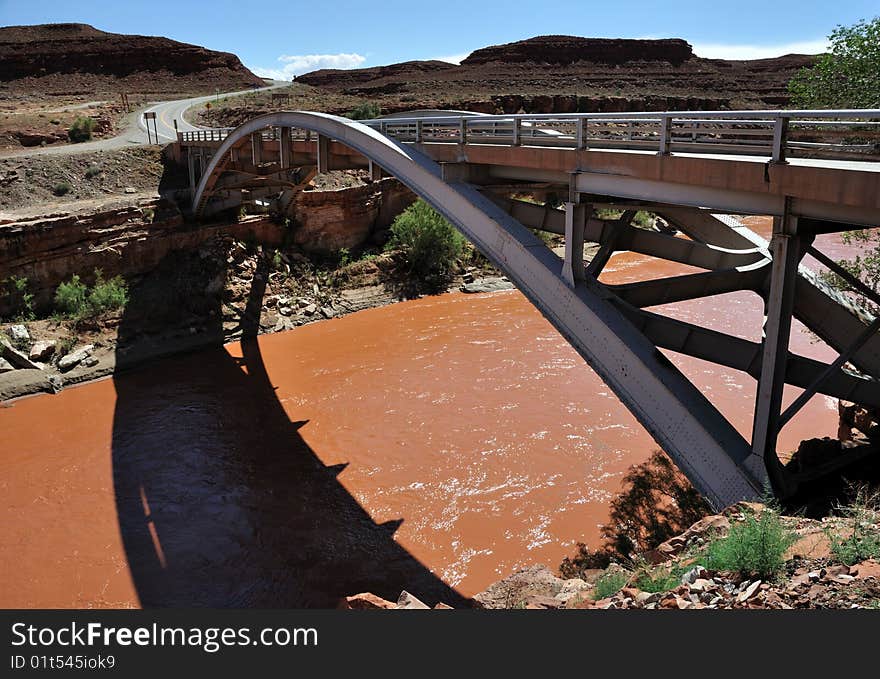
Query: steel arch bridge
[{"x": 694, "y": 170}]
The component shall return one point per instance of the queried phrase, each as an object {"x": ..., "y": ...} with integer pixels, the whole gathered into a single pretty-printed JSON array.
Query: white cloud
[
  {"x": 733, "y": 51},
  {"x": 297, "y": 64}
]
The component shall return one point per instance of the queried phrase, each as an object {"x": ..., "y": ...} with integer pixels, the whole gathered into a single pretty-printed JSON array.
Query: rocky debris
[
  {"x": 42, "y": 350},
  {"x": 16, "y": 358},
  {"x": 828, "y": 587},
  {"x": 365, "y": 601},
  {"x": 535, "y": 587},
  {"x": 407, "y": 601},
  {"x": 369, "y": 601},
  {"x": 854, "y": 416},
  {"x": 19, "y": 333},
  {"x": 31, "y": 137},
  {"x": 716, "y": 524},
  {"x": 56, "y": 383},
  {"x": 74, "y": 358},
  {"x": 493, "y": 284}
]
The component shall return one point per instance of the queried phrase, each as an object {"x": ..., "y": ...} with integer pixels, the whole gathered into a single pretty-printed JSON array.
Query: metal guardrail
[{"x": 850, "y": 134}]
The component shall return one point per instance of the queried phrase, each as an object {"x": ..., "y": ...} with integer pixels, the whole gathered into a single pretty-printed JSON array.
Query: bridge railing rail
[
  {"x": 775, "y": 134},
  {"x": 849, "y": 134}
]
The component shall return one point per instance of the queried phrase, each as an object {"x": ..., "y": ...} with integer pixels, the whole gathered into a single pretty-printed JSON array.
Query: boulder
[
  {"x": 487, "y": 285},
  {"x": 17, "y": 358},
  {"x": 571, "y": 588},
  {"x": 5, "y": 366},
  {"x": 19, "y": 333},
  {"x": 516, "y": 589},
  {"x": 74, "y": 358},
  {"x": 407, "y": 601},
  {"x": 365, "y": 601},
  {"x": 42, "y": 350},
  {"x": 715, "y": 523}
]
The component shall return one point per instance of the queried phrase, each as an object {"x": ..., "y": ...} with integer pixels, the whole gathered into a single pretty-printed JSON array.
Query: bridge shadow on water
[{"x": 220, "y": 500}]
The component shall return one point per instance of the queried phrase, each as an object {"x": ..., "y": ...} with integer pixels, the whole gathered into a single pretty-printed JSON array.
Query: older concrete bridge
[{"x": 695, "y": 170}]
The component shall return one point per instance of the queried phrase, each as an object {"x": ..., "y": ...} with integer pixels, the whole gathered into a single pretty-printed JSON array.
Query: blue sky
[{"x": 282, "y": 38}]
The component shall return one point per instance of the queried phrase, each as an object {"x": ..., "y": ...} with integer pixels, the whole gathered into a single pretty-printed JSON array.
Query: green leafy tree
[
  {"x": 427, "y": 244},
  {"x": 846, "y": 77},
  {"x": 366, "y": 111}
]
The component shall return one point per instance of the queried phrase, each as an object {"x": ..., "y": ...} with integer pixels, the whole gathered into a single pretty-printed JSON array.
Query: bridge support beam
[
  {"x": 284, "y": 148},
  {"x": 323, "y": 154},
  {"x": 257, "y": 148},
  {"x": 375, "y": 171},
  {"x": 785, "y": 247},
  {"x": 575, "y": 221}
]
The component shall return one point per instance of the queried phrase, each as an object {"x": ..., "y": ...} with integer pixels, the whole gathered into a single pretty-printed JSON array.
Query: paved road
[{"x": 135, "y": 131}]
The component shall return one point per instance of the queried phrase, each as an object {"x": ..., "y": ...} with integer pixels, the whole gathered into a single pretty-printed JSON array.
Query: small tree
[
  {"x": 848, "y": 76},
  {"x": 428, "y": 246},
  {"x": 81, "y": 130},
  {"x": 366, "y": 111}
]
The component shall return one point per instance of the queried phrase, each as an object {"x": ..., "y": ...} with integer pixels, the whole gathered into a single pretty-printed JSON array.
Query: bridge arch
[{"x": 708, "y": 449}]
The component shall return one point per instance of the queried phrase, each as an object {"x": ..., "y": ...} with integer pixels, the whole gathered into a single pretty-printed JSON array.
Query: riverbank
[{"x": 218, "y": 308}]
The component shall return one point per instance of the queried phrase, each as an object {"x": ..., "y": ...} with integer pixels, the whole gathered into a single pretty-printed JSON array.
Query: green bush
[
  {"x": 22, "y": 299},
  {"x": 753, "y": 548},
  {"x": 660, "y": 580},
  {"x": 92, "y": 171},
  {"x": 71, "y": 297},
  {"x": 610, "y": 583},
  {"x": 107, "y": 295},
  {"x": 61, "y": 188},
  {"x": 428, "y": 245},
  {"x": 864, "y": 540},
  {"x": 81, "y": 130},
  {"x": 366, "y": 111},
  {"x": 76, "y": 300}
]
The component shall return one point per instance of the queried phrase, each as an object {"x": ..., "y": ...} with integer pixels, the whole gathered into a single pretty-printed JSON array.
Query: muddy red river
[{"x": 434, "y": 445}]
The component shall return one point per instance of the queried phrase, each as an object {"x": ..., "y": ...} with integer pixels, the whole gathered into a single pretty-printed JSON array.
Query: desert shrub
[
  {"x": 658, "y": 580},
  {"x": 366, "y": 111},
  {"x": 864, "y": 540},
  {"x": 428, "y": 245},
  {"x": 21, "y": 298},
  {"x": 610, "y": 583},
  {"x": 107, "y": 295},
  {"x": 71, "y": 297},
  {"x": 81, "y": 130},
  {"x": 753, "y": 548},
  {"x": 74, "y": 299},
  {"x": 61, "y": 188},
  {"x": 92, "y": 171}
]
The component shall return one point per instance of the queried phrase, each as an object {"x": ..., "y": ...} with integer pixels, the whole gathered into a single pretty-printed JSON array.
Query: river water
[{"x": 434, "y": 445}]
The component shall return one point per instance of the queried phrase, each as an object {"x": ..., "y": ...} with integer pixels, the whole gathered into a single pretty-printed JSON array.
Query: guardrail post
[
  {"x": 517, "y": 131},
  {"x": 665, "y": 134},
  {"x": 581, "y": 134},
  {"x": 418, "y": 132},
  {"x": 462, "y": 131},
  {"x": 780, "y": 139}
]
